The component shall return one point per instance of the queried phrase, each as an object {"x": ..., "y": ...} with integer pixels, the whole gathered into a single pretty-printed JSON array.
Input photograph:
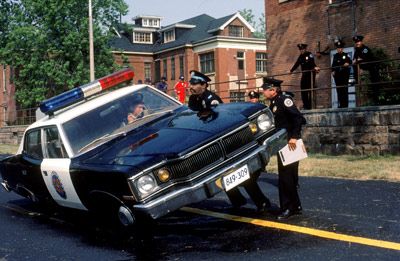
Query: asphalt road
[{"x": 363, "y": 216}]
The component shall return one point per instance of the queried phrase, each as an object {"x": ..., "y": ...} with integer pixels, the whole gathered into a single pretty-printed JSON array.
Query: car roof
[{"x": 84, "y": 106}]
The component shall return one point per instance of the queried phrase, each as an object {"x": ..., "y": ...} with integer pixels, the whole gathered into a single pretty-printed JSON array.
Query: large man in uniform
[
  {"x": 341, "y": 72},
  {"x": 308, "y": 68},
  {"x": 202, "y": 100},
  {"x": 288, "y": 117}
]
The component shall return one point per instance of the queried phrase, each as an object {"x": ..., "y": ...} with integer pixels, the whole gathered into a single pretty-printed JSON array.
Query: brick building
[
  {"x": 318, "y": 23},
  {"x": 222, "y": 48}
]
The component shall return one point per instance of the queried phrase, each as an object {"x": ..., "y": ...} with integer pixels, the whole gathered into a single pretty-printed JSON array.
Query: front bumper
[{"x": 210, "y": 185}]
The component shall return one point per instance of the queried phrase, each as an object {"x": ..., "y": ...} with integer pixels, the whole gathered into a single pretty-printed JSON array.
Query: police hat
[
  {"x": 253, "y": 95},
  {"x": 197, "y": 77},
  {"x": 339, "y": 44},
  {"x": 302, "y": 46},
  {"x": 181, "y": 77},
  {"x": 164, "y": 78},
  {"x": 358, "y": 38},
  {"x": 270, "y": 82}
]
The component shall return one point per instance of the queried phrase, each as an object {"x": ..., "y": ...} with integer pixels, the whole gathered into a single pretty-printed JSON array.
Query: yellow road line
[{"x": 298, "y": 229}]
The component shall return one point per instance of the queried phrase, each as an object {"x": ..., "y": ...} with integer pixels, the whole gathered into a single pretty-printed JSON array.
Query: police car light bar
[{"x": 67, "y": 98}]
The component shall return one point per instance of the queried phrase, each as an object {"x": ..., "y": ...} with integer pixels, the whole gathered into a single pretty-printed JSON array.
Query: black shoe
[{"x": 288, "y": 213}]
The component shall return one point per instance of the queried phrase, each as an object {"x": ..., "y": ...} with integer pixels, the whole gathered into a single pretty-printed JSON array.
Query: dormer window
[
  {"x": 142, "y": 37},
  {"x": 169, "y": 36},
  {"x": 235, "y": 31}
]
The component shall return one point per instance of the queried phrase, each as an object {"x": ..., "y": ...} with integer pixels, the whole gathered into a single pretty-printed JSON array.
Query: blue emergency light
[{"x": 67, "y": 98}]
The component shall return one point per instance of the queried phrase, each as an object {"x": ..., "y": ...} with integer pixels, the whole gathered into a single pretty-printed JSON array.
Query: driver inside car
[{"x": 137, "y": 111}]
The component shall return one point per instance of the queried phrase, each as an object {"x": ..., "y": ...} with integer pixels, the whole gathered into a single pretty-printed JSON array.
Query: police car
[{"x": 83, "y": 154}]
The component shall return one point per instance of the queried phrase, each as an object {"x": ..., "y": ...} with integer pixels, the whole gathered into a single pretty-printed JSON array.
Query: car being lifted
[{"x": 85, "y": 154}]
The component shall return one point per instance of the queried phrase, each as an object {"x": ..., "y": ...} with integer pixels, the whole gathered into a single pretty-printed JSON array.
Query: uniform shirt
[
  {"x": 339, "y": 59},
  {"x": 365, "y": 54},
  {"x": 306, "y": 61},
  {"x": 203, "y": 101},
  {"x": 287, "y": 116}
]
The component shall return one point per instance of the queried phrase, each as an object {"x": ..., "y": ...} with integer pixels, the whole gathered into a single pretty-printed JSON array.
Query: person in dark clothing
[
  {"x": 363, "y": 59},
  {"x": 309, "y": 69},
  {"x": 163, "y": 85},
  {"x": 288, "y": 117},
  {"x": 202, "y": 100},
  {"x": 341, "y": 72}
]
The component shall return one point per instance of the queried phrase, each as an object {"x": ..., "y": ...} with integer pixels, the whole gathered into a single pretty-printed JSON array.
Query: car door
[{"x": 55, "y": 170}]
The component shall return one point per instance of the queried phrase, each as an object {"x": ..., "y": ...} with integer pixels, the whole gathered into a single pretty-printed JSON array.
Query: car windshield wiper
[{"x": 102, "y": 138}]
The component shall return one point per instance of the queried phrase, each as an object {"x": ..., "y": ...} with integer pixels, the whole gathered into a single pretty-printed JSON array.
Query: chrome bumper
[{"x": 211, "y": 184}]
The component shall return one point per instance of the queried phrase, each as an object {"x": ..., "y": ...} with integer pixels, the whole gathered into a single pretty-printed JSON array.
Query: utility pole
[{"x": 91, "y": 54}]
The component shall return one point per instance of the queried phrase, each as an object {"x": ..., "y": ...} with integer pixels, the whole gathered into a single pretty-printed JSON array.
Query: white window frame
[
  {"x": 261, "y": 62},
  {"x": 143, "y": 37},
  {"x": 169, "y": 36}
]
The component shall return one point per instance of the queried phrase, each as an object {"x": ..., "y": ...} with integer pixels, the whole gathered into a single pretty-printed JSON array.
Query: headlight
[
  {"x": 264, "y": 122},
  {"x": 146, "y": 184},
  {"x": 163, "y": 175}
]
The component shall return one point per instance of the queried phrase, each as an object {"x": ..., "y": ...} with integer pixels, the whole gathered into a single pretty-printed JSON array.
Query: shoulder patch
[
  {"x": 365, "y": 50},
  {"x": 288, "y": 102}
]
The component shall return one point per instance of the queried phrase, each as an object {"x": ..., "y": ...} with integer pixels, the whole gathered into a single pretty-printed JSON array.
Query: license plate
[{"x": 235, "y": 178}]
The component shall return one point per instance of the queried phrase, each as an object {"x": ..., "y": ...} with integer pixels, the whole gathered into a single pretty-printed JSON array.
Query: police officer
[
  {"x": 309, "y": 69},
  {"x": 201, "y": 98},
  {"x": 341, "y": 72},
  {"x": 362, "y": 59},
  {"x": 288, "y": 117},
  {"x": 254, "y": 96}
]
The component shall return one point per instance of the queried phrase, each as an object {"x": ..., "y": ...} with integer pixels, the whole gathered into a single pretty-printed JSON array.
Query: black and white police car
[{"x": 83, "y": 153}]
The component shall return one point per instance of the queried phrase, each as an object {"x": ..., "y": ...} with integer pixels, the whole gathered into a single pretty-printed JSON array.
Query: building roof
[{"x": 192, "y": 30}]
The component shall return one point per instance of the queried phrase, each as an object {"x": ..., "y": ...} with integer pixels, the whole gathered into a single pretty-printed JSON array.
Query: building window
[
  {"x": 172, "y": 68},
  {"x": 181, "y": 66},
  {"x": 236, "y": 96},
  {"x": 165, "y": 68},
  {"x": 235, "y": 31},
  {"x": 147, "y": 71},
  {"x": 207, "y": 62},
  {"x": 240, "y": 59},
  {"x": 261, "y": 62},
  {"x": 169, "y": 36},
  {"x": 140, "y": 37}
]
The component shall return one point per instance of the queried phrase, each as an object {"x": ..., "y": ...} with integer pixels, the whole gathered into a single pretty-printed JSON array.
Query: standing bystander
[
  {"x": 309, "y": 69},
  {"x": 341, "y": 72},
  {"x": 180, "y": 89},
  {"x": 162, "y": 85}
]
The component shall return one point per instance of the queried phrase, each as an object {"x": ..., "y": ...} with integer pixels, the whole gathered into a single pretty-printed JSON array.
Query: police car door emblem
[
  {"x": 58, "y": 186},
  {"x": 288, "y": 102}
]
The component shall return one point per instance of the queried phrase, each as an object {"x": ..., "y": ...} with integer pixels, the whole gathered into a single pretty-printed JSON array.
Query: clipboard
[{"x": 289, "y": 156}]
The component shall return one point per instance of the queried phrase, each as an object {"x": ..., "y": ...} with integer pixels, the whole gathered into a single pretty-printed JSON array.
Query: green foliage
[
  {"x": 47, "y": 42},
  {"x": 259, "y": 27},
  {"x": 389, "y": 75}
]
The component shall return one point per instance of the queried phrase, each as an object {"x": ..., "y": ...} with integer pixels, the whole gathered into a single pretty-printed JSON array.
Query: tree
[
  {"x": 47, "y": 43},
  {"x": 260, "y": 27}
]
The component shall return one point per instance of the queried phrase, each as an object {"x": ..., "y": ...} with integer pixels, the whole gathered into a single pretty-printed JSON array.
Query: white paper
[{"x": 290, "y": 156}]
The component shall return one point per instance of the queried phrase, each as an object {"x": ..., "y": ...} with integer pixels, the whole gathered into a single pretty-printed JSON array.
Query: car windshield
[{"x": 116, "y": 117}]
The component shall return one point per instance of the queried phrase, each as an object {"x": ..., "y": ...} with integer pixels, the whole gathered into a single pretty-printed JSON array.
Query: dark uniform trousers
[
  {"x": 288, "y": 183},
  {"x": 307, "y": 82},
  {"x": 252, "y": 188},
  {"x": 342, "y": 81}
]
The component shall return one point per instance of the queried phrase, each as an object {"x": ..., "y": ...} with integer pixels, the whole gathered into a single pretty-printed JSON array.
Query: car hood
[{"x": 171, "y": 135}]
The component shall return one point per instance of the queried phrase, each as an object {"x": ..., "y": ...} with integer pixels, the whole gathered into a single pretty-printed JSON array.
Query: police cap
[
  {"x": 271, "y": 82},
  {"x": 253, "y": 95},
  {"x": 302, "y": 46},
  {"x": 358, "y": 38},
  {"x": 339, "y": 44},
  {"x": 181, "y": 77},
  {"x": 197, "y": 77}
]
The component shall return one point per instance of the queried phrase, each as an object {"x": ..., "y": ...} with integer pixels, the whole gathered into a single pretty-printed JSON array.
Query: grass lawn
[{"x": 318, "y": 165}]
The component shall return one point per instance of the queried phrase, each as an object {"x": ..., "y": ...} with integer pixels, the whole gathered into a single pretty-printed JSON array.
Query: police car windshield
[{"x": 97, "y": 126}]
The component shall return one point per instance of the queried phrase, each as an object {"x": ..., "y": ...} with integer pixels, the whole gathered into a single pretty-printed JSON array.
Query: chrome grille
[
  {"x": 196, "y": 162},
  {"x": 237, "y": 140}
]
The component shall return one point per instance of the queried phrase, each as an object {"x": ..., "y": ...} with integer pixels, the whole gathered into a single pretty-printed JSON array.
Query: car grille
[
  {"x": 211, "y": 155},
  {"x": 237, "y": 140}
]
